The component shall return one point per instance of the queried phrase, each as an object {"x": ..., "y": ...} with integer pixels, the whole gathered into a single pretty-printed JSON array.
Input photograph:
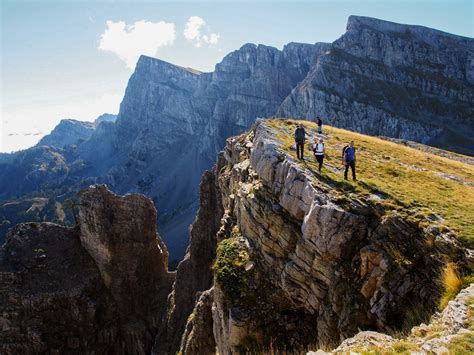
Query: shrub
[{"x": 229, "y": 266}]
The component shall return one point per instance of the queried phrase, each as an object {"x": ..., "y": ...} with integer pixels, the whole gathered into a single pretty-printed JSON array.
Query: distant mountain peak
[{"x": 355, "y": 22}]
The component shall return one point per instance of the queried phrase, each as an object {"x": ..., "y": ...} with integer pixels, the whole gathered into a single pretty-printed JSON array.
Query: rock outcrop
[
  {"x": 449, "y": 331},
  {"x": 298, "y": 267},
  {"x": 98, "y": 288}
]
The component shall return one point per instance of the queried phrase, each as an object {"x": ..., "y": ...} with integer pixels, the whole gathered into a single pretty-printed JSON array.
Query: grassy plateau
[{"x": 429, "y": 186}]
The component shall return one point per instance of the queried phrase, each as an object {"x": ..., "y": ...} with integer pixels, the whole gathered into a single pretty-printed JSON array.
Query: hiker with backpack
[
  {"x": 300, "y": 137},
  {"x": 349, "y": 159},
  {"x": 318, "y": 149},
  {"x": 320, "y": 124}
]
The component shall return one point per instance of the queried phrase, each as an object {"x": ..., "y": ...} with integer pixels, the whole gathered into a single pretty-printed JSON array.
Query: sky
[{"x": 72, "y": 59}]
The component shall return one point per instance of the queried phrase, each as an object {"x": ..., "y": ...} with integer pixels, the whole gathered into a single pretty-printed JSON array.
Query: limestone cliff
[
  {"x": 173, "y": 121},
  {"x": 383, "y": 78},
  {"x": 98, "y": 288},
  {"x": 301, "y": 262}
]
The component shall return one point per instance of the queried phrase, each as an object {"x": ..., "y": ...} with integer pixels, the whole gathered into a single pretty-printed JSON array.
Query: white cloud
[
  {"x": 193, "y": 28},
  {"x": 193, "y": 32},
  {"x": 128, "y": 42},
  {"x": 213, "y": 38}
]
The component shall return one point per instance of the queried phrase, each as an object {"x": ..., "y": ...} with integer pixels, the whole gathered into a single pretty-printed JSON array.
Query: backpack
[{"x": 344, "y": 150}]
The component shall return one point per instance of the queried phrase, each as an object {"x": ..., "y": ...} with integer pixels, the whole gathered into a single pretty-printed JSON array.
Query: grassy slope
[{"x": 404, "y": 176}]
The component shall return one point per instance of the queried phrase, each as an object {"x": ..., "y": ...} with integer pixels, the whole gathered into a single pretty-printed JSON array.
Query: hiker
[
  {"x": 320, "y": 124},
  {"x": 300, "y": 136},
  {"x": 318, "y": 149},
  {"x": 349, "y": 159}
]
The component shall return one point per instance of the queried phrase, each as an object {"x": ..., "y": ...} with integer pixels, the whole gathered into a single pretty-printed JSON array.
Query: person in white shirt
[{"x": 318, "y": 149}]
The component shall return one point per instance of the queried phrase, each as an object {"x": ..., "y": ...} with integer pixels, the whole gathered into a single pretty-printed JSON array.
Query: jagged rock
[
  {"x": 98, "y": 288},
  {"x": 120, "y": 235}
]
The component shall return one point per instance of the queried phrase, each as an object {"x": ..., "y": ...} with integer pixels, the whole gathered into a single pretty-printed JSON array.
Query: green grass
[{"x": 409, "y": 180}]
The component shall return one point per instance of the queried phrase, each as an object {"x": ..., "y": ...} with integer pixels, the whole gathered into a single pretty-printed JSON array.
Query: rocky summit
[
  {"x": 380, "y": 78},
  {"x": 282, "y": 258}
]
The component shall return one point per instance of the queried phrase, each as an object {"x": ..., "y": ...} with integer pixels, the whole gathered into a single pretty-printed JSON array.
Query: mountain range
[{"x": 380, "y": 78}]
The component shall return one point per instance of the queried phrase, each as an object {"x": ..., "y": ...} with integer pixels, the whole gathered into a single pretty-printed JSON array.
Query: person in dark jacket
[
  {"x": 300, "y": 137},
  {"x": 320, "y": 124},
  {"x": 349, "y": 160}
]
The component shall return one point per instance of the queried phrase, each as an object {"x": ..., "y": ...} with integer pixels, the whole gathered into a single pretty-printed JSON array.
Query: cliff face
[
  {"x": 173, "y": 121},
  {"x": 394, "y": 80},
  {"x": 97, "y": 288},
  {"x": 194, "y": 273},
  {"x": 298, "y": 265}
]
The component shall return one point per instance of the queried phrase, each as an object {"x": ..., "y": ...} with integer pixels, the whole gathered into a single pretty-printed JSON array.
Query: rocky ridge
[
  {"x": 281, "y": 258},
  {"x": 383, "y": 78}
]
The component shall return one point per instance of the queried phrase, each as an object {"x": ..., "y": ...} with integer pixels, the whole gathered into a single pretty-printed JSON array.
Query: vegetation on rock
[{"x": 229, "y": 267}]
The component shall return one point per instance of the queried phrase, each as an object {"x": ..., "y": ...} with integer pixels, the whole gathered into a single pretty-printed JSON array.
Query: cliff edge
[{"x": 305, "y": 260}]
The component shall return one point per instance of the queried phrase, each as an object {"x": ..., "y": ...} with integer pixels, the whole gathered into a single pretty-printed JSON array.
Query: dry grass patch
[{"x": 452, "y": 283}]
